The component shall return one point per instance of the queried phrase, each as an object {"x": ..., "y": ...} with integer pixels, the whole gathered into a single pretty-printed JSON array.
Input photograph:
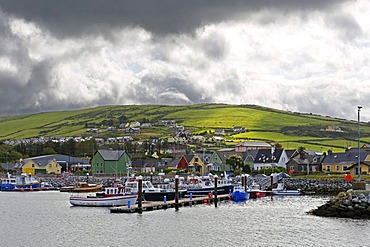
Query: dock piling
[
  {"x": 215, "y": 192},
  {"x": 140, "y": 195},
  {"x": 177, "y": 192}
]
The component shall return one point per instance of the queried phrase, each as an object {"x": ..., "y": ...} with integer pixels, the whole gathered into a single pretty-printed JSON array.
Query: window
[
  {"x": 33, "y": 165},
  {"x": 337, "y": 168},
  {"x": 49, "y": 165},
  {"x": 292, "y": 168},
  {"x": 344, "y": 168},
  {"x": 328, "y": 168}
]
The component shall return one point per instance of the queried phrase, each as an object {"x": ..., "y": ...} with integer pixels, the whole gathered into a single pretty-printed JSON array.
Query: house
[
  {"x": 305, "y": 162},
  {"x": 244, "y": 146},
  {"x": 50, "y": 163},
  {"x": 196, "y": 164},
  {"x": 146, "y": 125},
  {"x": 144, "y": 165},
  {"x": 270, "y": 158},
  {"x": 182, "y": 163},
  {"x": 238, "y": 129},
  {"x": 364, "y": 169},
  {"x": 110, "y": 162},
  {"x": 135, "y": 124},
  {"x": 340, "y": 162},
  {"x": 132, "y": 130},
  {"x": 111, "y": 129},
  {"x": 219, "y": 132},
  {"x": 168, "y": 122},
  {"x": 178, "y": 128}
]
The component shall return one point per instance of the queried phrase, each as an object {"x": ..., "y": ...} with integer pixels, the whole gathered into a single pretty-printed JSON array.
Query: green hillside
[{"x": 291, "y": 130}]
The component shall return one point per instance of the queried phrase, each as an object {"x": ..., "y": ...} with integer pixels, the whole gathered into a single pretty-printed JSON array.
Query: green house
[{"x": 110, "y": 162}]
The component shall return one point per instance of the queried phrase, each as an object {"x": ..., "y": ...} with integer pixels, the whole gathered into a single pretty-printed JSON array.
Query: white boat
[
  {"x": 281, "y": 191},
  {"x": 112, "y": 196}
]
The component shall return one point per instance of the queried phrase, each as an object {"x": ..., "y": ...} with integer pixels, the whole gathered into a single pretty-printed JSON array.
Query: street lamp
[{"x": 358, "y": 126}]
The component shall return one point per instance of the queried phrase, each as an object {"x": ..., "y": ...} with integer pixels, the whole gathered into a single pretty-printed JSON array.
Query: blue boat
[
  {"x": 19, "y": 183},
  {"x": 239, "y": 194}
]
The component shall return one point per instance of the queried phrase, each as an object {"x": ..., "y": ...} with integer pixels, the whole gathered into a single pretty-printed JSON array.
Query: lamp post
[{"x": 359, "y": 160}]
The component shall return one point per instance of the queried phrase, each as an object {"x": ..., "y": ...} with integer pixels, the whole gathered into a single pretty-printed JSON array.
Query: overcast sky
[{"x": 310, "y": 56}]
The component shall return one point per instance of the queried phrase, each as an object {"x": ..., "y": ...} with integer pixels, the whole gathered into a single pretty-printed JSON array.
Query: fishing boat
[
  {"x": 200, "y": 187},
  {"x": 254, "y": 191},
  {"x": 112, "y": 196},
  {"x": 151, "y": 193},
  {"x": 239, "y": 194},
  {"x": 282, "y": 191},
  {"x": 22, "y": 182},
  {"x": 48, "y": 186},
  {"x": 86, "y": 187}
]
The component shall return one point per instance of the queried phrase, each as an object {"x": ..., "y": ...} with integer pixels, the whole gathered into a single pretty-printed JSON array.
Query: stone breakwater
[
  {"x": 318, "y": 186},
  {"x": 346, "y": 205}
]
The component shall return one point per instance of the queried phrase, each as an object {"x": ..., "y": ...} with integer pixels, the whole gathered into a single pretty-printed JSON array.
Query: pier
[{"x": 185, "y": 202}]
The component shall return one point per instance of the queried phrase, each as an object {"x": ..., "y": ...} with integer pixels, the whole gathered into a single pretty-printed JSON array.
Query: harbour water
[{"x": 46, "y": 218}]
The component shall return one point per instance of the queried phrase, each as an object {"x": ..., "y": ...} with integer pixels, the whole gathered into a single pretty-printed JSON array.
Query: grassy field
[{"x": 290, "y": 129}]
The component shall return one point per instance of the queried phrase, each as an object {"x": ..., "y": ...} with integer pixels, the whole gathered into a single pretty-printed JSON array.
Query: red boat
[{"x": 255, "y": 191}]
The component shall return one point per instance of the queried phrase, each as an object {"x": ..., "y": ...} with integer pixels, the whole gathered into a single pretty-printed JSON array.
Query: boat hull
[
  {"x": 203, "y": 191},
  {"x": 239, "y": 196},
  {"x": 256, "y": 194},
  {"x": 103, "y": 201},
  {"x": 159, "y": 195},
  {"x": 286, "y": 192}
]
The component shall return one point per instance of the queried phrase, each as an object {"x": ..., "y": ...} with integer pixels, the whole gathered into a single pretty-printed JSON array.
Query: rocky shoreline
[
  {"x": 318, "y": 186},
  {"x": 349, "y": 204}
]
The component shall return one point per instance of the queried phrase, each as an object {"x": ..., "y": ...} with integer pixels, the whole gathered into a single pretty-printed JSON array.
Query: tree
[{"x": 235, "y": 162}]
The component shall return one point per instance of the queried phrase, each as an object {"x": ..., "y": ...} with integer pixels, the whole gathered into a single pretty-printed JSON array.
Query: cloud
[{"x": 307, "y": 56}]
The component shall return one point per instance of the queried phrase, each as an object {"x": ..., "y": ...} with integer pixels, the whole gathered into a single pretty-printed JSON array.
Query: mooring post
[
  {"x": 140, "y": 195},
  {"x": 215, "y": 192},
  {"x": 177, "y": 192},
  {"x": 272, "y": 181}
]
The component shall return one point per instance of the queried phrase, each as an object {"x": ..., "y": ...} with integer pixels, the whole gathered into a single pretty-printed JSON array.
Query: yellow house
[
  {"x": 364, "y": 169},
  {"x": 197, "y": 164},
  {"x": 30, "y": 167},
  {"x": 52, "y": 167}
]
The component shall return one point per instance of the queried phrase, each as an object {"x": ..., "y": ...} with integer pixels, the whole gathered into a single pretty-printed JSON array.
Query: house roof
[
  {"x": 265, "y": 156},
  {"x": 8, "y": 166},
  {"x": 59, "y": 158},
  {"x": 111, "y": 154},
  {"x": 350, "y": 156},
  {"x": 254, "y": 144}
]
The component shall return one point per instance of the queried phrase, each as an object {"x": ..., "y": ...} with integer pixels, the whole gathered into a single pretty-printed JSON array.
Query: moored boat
[
  {"x": 254, "y": 191},
  {"x": 239, "y": 194},
  {"x": 199, "y": 187},
  {"x": 85, "y": 187},
  {"x": 282, "y": 191},
  {"x": 23, "y": 182},
  {"x": 151, "y": 193},
  {"x": 112, "y": 196}
]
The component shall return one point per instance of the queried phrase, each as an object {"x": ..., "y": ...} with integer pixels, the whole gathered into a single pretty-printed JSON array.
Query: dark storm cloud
[{"x": 76, "y": 17}]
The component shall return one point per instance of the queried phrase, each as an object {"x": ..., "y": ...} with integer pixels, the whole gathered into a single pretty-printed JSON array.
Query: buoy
[
  {"x": 22, "y": 189},
  {"x": 31, "y": 189},
  {"x": 38, "y": 189},
  {"x": 205, "y": 201},
  {"x": 209, "y": 195}
]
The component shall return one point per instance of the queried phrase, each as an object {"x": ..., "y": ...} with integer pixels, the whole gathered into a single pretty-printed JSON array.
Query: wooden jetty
[{"x": 150, "y": 206}]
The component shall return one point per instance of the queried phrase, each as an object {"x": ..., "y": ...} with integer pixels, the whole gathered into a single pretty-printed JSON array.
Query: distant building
[{"x": 110, "y": 162}]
